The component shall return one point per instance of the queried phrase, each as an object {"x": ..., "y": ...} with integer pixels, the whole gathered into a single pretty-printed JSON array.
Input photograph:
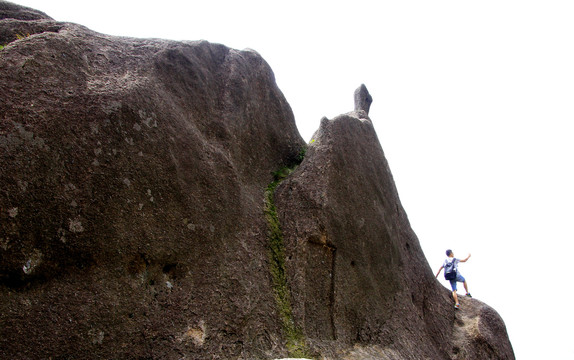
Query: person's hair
[{"x": 448, "y": 252}]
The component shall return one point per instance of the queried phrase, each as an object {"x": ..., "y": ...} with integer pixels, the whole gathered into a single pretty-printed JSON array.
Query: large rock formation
[
  {"x": 132, "y": 177},
  {"x": 132, "y": 213},
  {"x": 362, "y": 285}
]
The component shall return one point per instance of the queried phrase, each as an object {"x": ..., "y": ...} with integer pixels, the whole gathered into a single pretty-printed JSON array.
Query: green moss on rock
[{"x": 293, "y": 334}]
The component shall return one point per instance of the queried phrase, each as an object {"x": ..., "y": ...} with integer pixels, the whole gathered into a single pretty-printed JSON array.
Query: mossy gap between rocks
[{"x": 293, "y": 334}]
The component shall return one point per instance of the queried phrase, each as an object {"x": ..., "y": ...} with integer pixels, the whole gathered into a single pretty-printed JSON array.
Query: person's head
[{"x": 449, "y": 253}]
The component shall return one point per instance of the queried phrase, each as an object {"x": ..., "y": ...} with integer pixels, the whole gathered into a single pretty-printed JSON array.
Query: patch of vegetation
[
  {"x": 22, "y": 36},
  {"x": 18, "y": 37},
  {"x": 301, "y": 154},
  {"x": 293, "y": 334}
]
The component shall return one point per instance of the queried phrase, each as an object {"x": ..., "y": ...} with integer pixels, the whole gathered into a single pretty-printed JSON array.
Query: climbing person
[{"x": 451, "y": 274}]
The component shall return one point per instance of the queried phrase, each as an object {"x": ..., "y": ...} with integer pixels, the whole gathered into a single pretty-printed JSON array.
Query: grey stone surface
[
  {"x": 364, "y": 289},
  {"x": 363, "y": 99},
  {"x": 132, "y": 181},
  {"x": 9, "y": 10},
  {"x": 132, "y": 212}
]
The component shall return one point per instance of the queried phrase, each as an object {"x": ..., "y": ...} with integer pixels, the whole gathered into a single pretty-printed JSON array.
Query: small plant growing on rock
[
  {"x": 301, "y": 154},
  {"x": 20, "y": 36}
]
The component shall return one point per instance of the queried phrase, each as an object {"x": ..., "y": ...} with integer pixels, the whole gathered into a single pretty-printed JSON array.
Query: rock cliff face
[
  {"x": 363, "y": 286},
  {"x": 132, "y": 213}
]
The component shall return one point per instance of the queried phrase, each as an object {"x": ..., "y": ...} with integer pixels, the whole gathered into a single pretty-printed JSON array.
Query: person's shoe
[
  {"x": 457, "y": 306},
  {"x": 468, "y": 294}
]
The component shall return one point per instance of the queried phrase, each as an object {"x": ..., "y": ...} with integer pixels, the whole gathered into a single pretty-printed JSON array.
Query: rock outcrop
[
  {"x": 363, "y": 99},
  {"x": 133, "y": 214},
  {"x": 10, "y": 10},
  {"x": 133, "y": 174},
  {"x": 363, "y": 286}
]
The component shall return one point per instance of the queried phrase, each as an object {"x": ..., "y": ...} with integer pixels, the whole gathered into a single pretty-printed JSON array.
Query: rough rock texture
[
  {"x": 10, "y": 10},
  {"x": 363, "y": 286},
  {"x": 363, "y": 99},
  {"x": 131, "y": 201},
  {"x": 132, "y": 213}
]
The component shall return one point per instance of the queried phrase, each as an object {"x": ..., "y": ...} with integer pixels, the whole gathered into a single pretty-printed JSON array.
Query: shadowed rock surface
[
  {"x": 363, "y": 286},
  {"x": 132, "y": 212},
  {"x": 10, "y": 10}
]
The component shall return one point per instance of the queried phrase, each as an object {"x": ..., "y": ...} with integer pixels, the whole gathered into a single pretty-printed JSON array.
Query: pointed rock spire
[{"x": 363, "y": 99}]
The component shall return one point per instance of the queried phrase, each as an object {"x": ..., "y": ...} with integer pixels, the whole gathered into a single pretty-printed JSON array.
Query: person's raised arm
[
  {"x": 466, "y": 258},
  {"x": 439, "y": 270}
]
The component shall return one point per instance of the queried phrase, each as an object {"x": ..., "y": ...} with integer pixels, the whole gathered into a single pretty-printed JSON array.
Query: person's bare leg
[
  {"x": 465, "y": 287},
  {"x": 455, "y": 296}
]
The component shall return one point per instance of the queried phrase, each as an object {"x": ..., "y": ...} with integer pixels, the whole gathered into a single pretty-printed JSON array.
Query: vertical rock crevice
[{"x": 294, "y": 337}]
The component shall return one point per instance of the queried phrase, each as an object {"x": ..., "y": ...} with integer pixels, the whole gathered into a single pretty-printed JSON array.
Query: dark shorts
[{"x": 459, "y": 278}]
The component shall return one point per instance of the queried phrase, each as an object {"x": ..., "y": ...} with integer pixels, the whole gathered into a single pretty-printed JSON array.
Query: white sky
[{"x": 473, "y": 105}]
